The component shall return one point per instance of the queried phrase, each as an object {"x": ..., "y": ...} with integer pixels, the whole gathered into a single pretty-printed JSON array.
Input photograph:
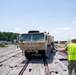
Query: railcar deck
[{"x": 16, "y": 64}]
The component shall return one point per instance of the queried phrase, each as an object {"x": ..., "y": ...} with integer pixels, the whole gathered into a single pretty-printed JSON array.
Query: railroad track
[
  {"x": 46, "y": 69},
  {"x": 24, "y": 67},
  {"x": 8, "y": 57}
]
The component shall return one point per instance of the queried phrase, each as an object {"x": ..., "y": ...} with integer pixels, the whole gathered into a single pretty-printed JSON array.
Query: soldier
[
  {"x": 71, "y": 48},
  {"x": 52, "y": 49}
]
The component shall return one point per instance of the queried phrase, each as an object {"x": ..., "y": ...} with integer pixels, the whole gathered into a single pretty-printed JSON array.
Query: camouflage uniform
[{"x": 71, "y": 66}]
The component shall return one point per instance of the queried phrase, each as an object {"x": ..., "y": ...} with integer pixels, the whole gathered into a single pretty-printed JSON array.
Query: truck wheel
[{"x": 27, "y": 55}]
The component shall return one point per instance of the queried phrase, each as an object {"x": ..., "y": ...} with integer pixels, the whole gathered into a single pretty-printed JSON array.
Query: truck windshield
[{"x": 33, "y": 37}]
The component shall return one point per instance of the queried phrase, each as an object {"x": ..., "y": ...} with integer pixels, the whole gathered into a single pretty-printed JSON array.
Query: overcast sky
[{"x": 58, "y": 17}]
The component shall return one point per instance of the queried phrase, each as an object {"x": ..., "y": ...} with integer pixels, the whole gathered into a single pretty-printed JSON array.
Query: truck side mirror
[{"x": 17, "y": 38}]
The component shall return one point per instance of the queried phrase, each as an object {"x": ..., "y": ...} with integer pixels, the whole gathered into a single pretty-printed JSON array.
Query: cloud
[
  {"x": 63, "y": 33},
  {"x": 64, "y": 29},
  {"x": 67, "y": 29},
  {"x": 19, "y": 30},
  {"x": 74, "y": 22},
  {"x": 54, "y": 32}
]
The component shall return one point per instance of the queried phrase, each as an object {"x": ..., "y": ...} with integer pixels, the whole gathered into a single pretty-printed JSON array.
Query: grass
[{"x": 2, "y": 45}]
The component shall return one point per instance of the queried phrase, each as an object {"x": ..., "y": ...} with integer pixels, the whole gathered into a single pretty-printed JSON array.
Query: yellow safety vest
[{"x": 72, "y": 51}]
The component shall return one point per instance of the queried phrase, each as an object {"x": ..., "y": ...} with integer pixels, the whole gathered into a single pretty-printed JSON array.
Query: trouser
[
  {"x": 52, "y": 49},
  {"x": 71, "y": 66}
]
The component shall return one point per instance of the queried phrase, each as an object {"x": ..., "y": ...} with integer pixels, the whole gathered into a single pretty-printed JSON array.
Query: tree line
[{"x": 8, "y": 36}]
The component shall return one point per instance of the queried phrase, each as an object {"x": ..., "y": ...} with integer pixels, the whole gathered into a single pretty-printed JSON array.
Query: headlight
[{"x": 40, "y": 43}]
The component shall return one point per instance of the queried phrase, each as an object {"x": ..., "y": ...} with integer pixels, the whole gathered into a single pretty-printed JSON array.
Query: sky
[{"x": 58, "y": 17}]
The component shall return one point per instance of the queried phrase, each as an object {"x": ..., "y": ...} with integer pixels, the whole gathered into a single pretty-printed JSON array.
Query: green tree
[
  {"x": 14, "y": 36},
  {"x": 2, "y": 36},
  {"x": 8, "y": 36}
]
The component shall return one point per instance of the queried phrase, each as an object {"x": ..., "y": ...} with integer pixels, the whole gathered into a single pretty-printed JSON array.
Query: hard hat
[{"x": 73, "y": 38}]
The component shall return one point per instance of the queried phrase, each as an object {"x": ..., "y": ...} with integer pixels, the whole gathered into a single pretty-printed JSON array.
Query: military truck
[{"x": 35, "y": 43}]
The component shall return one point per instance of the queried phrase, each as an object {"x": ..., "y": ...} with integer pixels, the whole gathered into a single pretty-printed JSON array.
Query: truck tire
[{"x": 27, "y": 55}]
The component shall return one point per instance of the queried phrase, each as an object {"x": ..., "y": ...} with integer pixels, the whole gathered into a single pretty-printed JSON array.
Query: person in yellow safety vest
[{"x": 71, "y": 48}]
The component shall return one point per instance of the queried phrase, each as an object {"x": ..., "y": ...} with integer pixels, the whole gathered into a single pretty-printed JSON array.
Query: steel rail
[
  {"x": 24, "y": 67},
  {"x": 9, "y": 57}
]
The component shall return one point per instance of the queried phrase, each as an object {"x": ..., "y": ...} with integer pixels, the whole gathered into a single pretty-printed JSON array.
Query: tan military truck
[{"x": 35, "y": 43}]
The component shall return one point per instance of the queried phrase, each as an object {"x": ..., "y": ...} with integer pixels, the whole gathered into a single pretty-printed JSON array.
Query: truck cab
[{"x": 35, "y": 43}]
